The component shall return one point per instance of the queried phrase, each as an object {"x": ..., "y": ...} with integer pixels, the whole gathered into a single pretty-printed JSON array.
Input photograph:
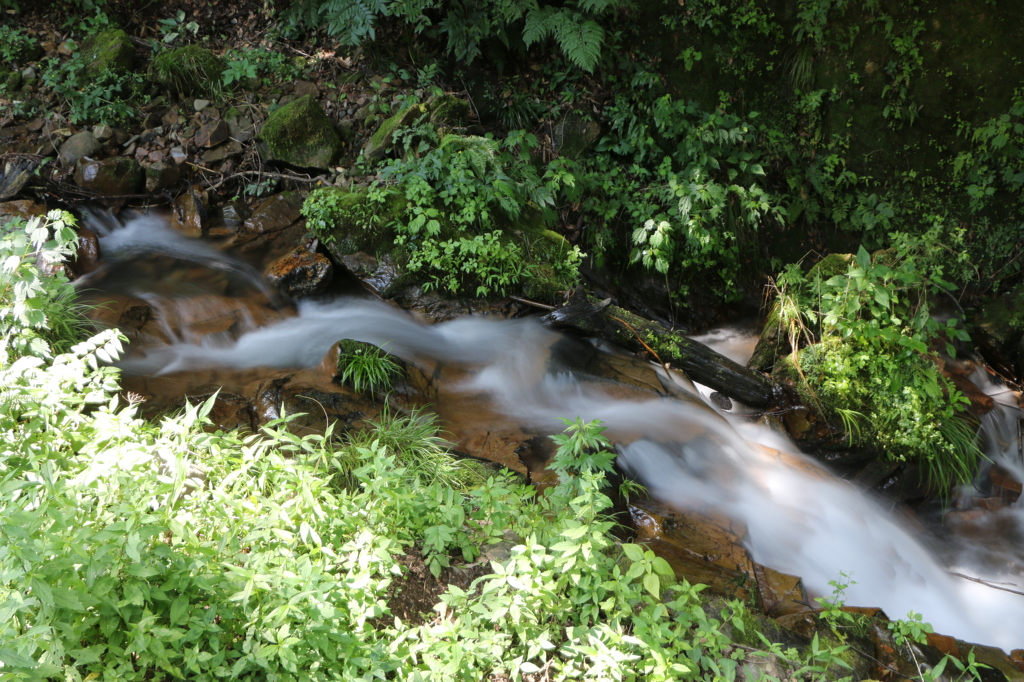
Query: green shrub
[
  {"x": 874, "y": 363},
  {"x": 107, "y": 97}
]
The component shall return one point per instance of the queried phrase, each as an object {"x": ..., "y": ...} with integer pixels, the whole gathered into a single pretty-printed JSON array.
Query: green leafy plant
[
  {"x": 875, "y": 358},
  {"x": 38, "y": 316},
  {"x": 176, "y": 27},
  {"x": 107, "y": 97},
  {"x": 14, "y": 42},
  {"x": 366, "y": 368}
]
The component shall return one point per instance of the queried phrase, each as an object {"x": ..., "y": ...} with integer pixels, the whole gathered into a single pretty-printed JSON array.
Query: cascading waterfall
[{"x": 689, "y": 456}]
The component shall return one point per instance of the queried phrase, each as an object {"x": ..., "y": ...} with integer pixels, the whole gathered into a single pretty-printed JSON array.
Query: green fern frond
[
  {"x": 540, "y": 24},
  {"x": 580, "y": 41},
  {"x": 352, "y": 21}
]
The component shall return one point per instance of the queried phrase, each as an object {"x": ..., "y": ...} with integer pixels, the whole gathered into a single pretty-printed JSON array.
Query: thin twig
[
  {"x": 987, "y": 583},
  {"x": 545, "y": 306},
  {"x": 262, "y": 174}
]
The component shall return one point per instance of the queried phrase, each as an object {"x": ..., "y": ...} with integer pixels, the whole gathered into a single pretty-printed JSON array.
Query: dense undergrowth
[{"x": 135, "y": 550}]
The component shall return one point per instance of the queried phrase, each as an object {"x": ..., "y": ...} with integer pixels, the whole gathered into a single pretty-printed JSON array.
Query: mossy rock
[
  {"x": 830, "y": 266},
  {"x": 380, "y": 142},
  {"x": 11, "y": 80},
  {"x": 349, "y": 221},
  {"x": 574, "y": 135},
  {"x": 111, "y": 49},
  {"x": 300, "y": 134},
  {"x": 448, "y": 110},
  {"x": 188, "y": 71}
]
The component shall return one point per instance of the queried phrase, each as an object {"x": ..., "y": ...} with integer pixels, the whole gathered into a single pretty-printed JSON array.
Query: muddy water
[{"x": 200, "y": 317}]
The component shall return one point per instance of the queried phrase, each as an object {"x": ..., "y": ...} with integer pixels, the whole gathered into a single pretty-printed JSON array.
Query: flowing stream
[{"x": 799, "y": 519}]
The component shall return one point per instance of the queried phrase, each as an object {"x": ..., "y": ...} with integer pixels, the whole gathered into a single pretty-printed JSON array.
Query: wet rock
[
  {"x": 161, "y": 176},
  {"x": 110, "y": 49},
  {"x": 999, "y": 331},
  {"x": 189, "y": 215},
  {"x": 230, "y": 411},
  {"x": 211, "y": 134},
  {"x": 87, "y": 254},
  {"x": 275, "y": 213},
  {"x": 380, "y": 142},
  {"x": 380, "y": 275},
  {"x": 300, "y": 134},
  {"x": 78, "y": 146},
  {"x": 110, "y": 177},
  {"x": 16, "y": 173},
  {"x": 188, "y": 71},
  {"x": 303, "y": 272}
]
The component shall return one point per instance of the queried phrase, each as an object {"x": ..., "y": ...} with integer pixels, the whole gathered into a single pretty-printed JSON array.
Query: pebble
[{"x": 201, "y": 104}]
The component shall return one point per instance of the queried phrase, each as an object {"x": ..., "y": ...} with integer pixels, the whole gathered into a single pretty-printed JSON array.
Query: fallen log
[{"x": 702, "y": 364}]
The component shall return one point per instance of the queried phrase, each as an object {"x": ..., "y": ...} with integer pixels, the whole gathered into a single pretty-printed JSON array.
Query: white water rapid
[{"x": 805, "y": 524}]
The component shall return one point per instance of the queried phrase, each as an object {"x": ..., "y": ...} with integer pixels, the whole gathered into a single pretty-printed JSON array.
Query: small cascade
[{"x": 799, "y": 518}]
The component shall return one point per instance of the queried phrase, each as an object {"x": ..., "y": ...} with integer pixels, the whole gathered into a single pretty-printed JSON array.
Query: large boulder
[
  {"x": 300, "y": 134},
  {"x": 111, "y": 49},
  {"x": 110, "y": 177},
  {"x": 188, "y": 71}
]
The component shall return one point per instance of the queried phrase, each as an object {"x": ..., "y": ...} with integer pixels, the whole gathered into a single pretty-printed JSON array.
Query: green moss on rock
[
  {"x": 448, "y": 110},
  {"x": 111, "y": 49},
  {"x": 300, "y": 134},
  {"x": 349, "y": 221},
  {"x": 380, "y": 142},
  {"x": 188, "y": 71}
]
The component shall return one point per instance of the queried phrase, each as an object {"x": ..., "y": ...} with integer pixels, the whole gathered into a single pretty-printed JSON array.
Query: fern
[
  {"x": 352, "y": 21},
  {"x": 579, "y": 38}
]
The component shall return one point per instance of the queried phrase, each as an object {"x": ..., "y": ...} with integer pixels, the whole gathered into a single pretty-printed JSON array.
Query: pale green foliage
[{"x": 38, "y": 315}]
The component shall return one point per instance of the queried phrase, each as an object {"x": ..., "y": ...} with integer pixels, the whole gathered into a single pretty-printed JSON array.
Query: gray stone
[
  {"x": 102, "y": 133},
  {"x": 200, "y": 104},
  {"x": 78, "y": 146}
]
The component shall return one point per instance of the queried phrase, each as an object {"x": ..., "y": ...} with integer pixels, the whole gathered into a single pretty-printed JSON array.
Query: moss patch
[
  {"x": 300, "y": 134},
  {"x": 111, "y": 49},
  {"x": 188, "y": 71},
  {"x": 380, "y": 141}
]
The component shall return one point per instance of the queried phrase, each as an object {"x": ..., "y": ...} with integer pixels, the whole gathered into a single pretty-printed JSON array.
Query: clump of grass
[
  {"x": 366, "y": 368},
  {"x": 413, "y": 439}
]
